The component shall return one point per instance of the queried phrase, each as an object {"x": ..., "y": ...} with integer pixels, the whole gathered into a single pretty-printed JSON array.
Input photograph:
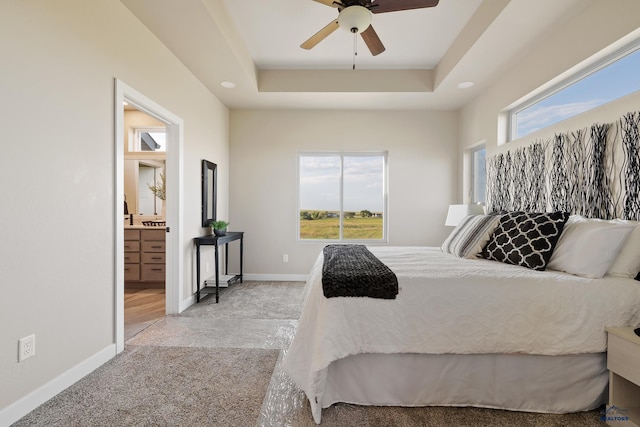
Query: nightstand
[{"x": 623, "y": 361}]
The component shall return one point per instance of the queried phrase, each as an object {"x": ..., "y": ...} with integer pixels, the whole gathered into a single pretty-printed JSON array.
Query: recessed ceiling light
[
  {"x": 465, "y": 85},
  {"x": 228, "y": 85}
]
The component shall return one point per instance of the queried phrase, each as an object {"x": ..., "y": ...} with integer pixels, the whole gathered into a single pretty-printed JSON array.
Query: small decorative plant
[
  {"x": 219, "y": 227},
  {"x": 159, "y": 189}
]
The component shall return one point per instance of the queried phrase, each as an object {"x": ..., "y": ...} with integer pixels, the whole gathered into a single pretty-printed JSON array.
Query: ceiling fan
[{"x": 355, "y": 17}]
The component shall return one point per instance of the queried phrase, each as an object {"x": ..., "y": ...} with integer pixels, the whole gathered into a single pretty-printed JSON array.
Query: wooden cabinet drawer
[
  {"x": 157, "y": 235},
  {"x": 152, "y": 246},
  {"x": 132, "y": 257},
  {"x": 132, "y": 272},
  {"x": 144, "y": 255},
  {"x": 152, "y": 272},
  {"x": 622, "y": 358},
  {"x": 153, "y": 257},
  {"x": 131, "y": 234},
  {"x": 131, "y": 246}
]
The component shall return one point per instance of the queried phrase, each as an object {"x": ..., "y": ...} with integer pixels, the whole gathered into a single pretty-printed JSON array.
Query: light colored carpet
[
  {"x": 165, "y": 386},
  {"x": 252, "y": 300},
  {"x": 219, "y": 365}
]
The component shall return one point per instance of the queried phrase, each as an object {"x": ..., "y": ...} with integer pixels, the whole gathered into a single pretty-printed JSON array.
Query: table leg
[
  {"x": 197, "y": 272},
  {"x": 241, "y": 257},
  {"x": 217, "y": 274},
  {"x": 226, "y": 258}
]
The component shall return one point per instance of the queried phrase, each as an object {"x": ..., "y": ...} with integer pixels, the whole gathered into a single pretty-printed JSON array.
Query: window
[
  {"x": 610, "y": 79},
  {"x": 478, "y": 174},
  {"x": 149, "y": 140},
  {"x": 342, "y": 196}
]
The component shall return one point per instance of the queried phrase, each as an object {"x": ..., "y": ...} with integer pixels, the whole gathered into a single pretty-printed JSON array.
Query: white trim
[
  {"x": 135, "y": 143},
  {"x": 385, "y": 196},
  {"x": 471, "y": 179},
  {"x": 186, "y": 303},
  {"x": 274, "y": 278},
  {"x": 31, "y": 401},
  {"x": 174, "y": 214}
]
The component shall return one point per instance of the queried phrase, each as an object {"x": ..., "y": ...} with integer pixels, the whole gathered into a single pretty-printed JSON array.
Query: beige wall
[
  {"x": 421, "y": 149},
  {"x": 59, "y": 61},
  {"x": 600, "y": 25}
]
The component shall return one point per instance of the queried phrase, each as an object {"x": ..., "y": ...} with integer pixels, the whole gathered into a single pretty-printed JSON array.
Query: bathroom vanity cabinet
[{"x": 144, "y": 257}]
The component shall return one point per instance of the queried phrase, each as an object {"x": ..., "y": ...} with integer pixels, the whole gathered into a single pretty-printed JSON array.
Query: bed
[{"x": 461, "y": 332}]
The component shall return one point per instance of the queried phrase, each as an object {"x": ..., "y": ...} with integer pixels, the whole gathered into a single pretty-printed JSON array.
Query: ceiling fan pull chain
[{"x": 355, "y": 45}]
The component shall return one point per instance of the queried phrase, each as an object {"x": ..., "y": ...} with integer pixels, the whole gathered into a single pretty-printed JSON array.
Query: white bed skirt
[{"x": 521, "y": 382}]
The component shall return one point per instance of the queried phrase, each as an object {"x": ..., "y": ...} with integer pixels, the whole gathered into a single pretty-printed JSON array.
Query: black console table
[{"x": 212, "y": 240}]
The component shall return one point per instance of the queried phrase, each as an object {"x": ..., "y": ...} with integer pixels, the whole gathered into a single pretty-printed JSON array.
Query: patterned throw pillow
[
  {"x": 470, "y": 236},
  {"x": 525, "y": 239}
]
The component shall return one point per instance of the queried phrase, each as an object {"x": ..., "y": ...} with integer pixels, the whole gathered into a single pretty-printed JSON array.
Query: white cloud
[{"x": 538, "y": 117}]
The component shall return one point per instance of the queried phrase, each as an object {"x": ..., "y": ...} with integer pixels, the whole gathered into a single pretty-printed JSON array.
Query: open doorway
[
  {"x": 165, "y": 224},
  {"x": 145, "y": 156}
]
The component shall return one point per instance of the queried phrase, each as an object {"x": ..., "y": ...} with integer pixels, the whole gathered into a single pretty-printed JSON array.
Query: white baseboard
[
  {"x": 28, "y": 403},
  {"x": 186, "y": 303},
  {"x": 277, "y": 277}
]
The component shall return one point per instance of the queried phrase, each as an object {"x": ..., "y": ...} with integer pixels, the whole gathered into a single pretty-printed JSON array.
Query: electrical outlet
[
  {"x": 285, "y": 258},
  {"x": 26, "y": 347}
]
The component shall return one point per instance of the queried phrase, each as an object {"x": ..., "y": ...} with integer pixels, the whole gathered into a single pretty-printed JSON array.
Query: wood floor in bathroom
[{"x": 142, "y": 308}]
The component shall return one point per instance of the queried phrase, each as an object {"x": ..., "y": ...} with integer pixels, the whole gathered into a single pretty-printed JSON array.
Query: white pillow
[
  {"x": 588, "y": 247},
  {"x": 627, "y": 263}
]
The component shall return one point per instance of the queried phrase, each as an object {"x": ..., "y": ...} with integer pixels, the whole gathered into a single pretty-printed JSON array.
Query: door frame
[{"x": 174, "y": 214}]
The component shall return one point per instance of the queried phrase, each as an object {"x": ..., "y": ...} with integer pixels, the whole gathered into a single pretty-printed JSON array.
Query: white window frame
[
  {"x": 542, "y": 93},
  {"x": 473, "y": 174},
  {"x": 135, "y": 143},
  {"x": 342, "y": 155}
]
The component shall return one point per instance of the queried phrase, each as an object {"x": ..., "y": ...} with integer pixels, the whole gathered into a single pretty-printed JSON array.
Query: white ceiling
[
  {"x": 255, "y": 44},
  {"x": 273, "y": 31}
]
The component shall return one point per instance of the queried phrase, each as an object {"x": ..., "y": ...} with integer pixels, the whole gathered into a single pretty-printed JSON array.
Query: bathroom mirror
[
  {"x": 208, "y": 192},
  {"x": 139, "y": 174}
]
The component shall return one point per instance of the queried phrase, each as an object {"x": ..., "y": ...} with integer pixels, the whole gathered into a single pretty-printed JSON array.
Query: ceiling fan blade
[
  {"x": 320, "y": 35},
  {"x": 382, "y": 6},
  {"x": 327, "y": 2},
  {"x": 372, "y": 41}
]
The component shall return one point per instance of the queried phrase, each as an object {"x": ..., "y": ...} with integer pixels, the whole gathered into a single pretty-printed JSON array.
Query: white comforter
[{"x": 452, "y": 305}]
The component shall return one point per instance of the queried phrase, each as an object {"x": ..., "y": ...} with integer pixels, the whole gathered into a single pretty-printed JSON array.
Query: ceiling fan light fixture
[{"x": 354, "y": 19}]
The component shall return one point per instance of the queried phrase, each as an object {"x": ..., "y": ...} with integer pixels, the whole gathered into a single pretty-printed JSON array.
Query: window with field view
[{"x": 341, "y": 196}]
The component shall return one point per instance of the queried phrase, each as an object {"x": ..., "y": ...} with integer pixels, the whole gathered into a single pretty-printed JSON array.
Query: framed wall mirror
[{"x": 208, "y": 192}]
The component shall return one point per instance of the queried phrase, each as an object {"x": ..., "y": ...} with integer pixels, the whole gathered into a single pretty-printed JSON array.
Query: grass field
[{"x": 329, "y": 228}]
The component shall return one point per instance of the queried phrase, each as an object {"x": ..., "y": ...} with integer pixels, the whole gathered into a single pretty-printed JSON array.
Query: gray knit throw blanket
[{"x": 353, "y": 271}]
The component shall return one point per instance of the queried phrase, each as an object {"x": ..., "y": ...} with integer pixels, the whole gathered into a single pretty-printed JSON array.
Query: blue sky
[
  {"x": 614, "y": 81},
  {"x": 320, "y": 183}
]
